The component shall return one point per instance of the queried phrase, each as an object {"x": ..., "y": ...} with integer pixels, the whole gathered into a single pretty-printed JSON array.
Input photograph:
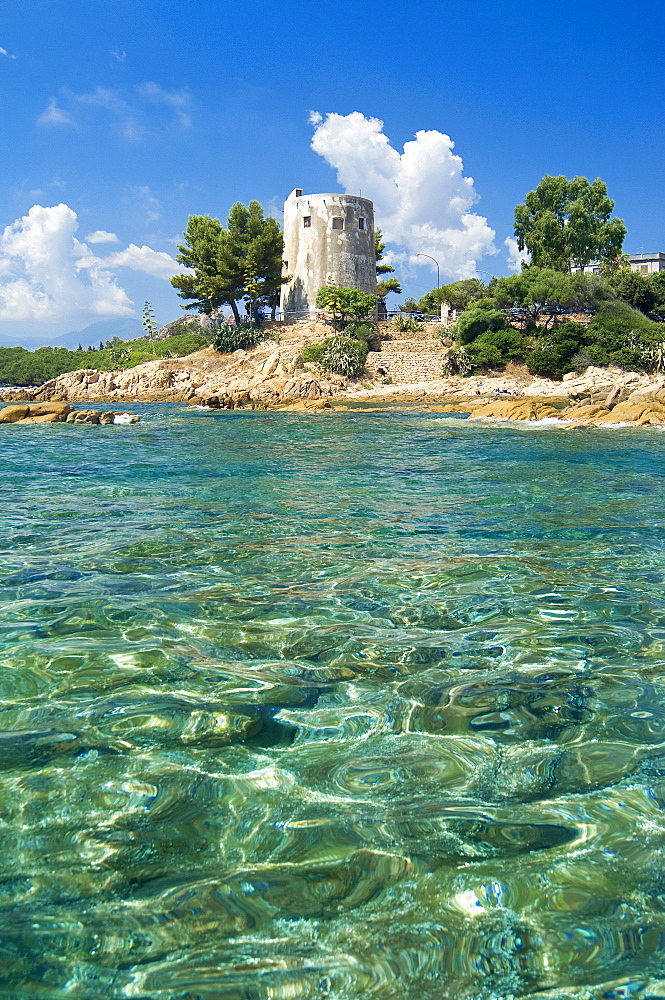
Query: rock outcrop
[
  {"x": 644, "y": 407},
  {"x": 60, "y": 413},
  {"x": 516, "y": 409},
  {"x": 269, "y": 374}
]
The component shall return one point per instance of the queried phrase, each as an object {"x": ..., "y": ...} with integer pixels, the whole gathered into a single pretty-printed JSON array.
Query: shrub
[
  {"x": 227, "y": 337},
  {"x": 582, "y": 360},
  {"x": 458, "y": 362},
  {"x": 406, "y": 324},
  {"x": 477, "y": 320},
  {"x": 340, "y": 355},
  {"x": 495, "y": 348},
  {"x": 361, "y": 331},
  {"x": 312, "y": 353},
  {"x": 557, "y": 351},
  {"x": 623, "y": 336}
]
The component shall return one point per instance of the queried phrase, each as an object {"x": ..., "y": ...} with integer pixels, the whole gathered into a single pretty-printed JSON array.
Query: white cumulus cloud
[
  {"x": 101, "y": 236},
  {"x": 154, "y": 262},
  {"x": 515, "y": 256},
  {"x": 48, "y": 275},
  {"x": 422, "y": 201}
]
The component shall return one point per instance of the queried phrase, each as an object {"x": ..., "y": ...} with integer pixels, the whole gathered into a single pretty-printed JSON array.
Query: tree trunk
[{"x": 236, "y": 314}]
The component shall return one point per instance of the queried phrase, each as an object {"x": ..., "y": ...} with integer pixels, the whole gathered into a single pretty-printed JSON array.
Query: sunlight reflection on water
[{"x": 345, "y": 705}]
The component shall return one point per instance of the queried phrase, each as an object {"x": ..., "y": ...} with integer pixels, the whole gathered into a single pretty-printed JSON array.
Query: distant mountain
[{"x": 103, "y": 329}]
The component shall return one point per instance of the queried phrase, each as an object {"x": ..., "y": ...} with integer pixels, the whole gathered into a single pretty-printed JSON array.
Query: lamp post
[
  {"x": 438, "y": 283},
  {"x": 480, "y": 271}
]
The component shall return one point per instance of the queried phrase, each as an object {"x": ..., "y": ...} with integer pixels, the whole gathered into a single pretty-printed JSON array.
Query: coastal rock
[
  {"x": 11, "y": 414},
  {"x": 52, "y": 407},
  {"x": 515, "y": 409},
  {"x": 642, "y": 413},
  {"x": 583, "y": 412},
  {"x": 271, "y": 364},
  {"x": 43, "y": 418},
  {"x": 35, "y": 412},
  {"x": 58, "y": 412}
]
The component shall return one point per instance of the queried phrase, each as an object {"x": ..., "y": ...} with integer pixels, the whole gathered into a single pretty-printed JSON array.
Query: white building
[{"x": 641, "y": 263}]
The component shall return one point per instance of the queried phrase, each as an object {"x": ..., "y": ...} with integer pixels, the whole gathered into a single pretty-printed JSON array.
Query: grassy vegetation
[{"x": 21, "y": 367}]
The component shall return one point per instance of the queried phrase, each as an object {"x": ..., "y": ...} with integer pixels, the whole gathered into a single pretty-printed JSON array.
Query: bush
[
  {"x": 495, "y": 348},
  {"x": 478, "y": 320},
  {"x": 558, "y": 350},
  {"x": 361, "y": 331},
  {"x": 340, "y": 355},
  {"x": 228, "y": 337},
  {"x": 406, "y": 324},
  {"x": 458, "y": 362},
  {"x": 623, "y": 336},
  {"x": 582, "y": 360},
  {"x": 312, "y": 353}
]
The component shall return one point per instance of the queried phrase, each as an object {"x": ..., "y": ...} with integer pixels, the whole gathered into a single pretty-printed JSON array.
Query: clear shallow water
[{"x": 350, "y": 705}]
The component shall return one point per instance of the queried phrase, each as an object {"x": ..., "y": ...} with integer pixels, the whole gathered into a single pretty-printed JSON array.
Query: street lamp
[
  {"x": 438, "y": 283},
  {"x": 480, "y": 271}
]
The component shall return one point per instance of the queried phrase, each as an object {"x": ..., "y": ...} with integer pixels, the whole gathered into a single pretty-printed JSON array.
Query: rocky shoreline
[{"x": 273, "y": 376}]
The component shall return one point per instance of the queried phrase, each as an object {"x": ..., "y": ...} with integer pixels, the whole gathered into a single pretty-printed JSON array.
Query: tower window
[
  {"x": 307, "y": 221},
  {"x": 338, "y": 223},
  {"x": 361, "y": 223}
]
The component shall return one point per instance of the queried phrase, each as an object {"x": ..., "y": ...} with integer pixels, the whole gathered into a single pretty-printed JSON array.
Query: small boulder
[
  {"x": 11, "y": 414},
  {"x": 271, "y": 364}
]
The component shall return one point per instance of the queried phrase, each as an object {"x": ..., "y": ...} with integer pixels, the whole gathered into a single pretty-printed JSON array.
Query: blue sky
[{"x": 132, "y": 116}]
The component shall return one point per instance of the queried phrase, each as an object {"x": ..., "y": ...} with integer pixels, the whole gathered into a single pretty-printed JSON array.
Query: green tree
[
  {"x": 345, "y": 304},
  {"x": 638, "y": 290},
  {"x": 388, "y": 285},
  {"x": 535, "y": 292},
  {"x": 409, "y": 305},
  {"x": 567, "y": 224},
  {"x": 243, "y": 261},
  {"x": 541, "y": 292},
  {"x": 379, "y": 247},
  {"x": 458, "y": 295},
  {"x": 657, "y": 282},
  {"x": 205, "y": 289}
]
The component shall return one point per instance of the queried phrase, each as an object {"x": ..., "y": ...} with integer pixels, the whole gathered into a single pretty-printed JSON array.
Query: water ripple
[{"x": 361, "y": 706}]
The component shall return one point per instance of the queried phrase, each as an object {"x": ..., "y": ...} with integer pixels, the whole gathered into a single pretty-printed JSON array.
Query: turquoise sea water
[{"x": 351, "y": 705}]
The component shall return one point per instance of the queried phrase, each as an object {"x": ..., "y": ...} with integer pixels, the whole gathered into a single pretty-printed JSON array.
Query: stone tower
[{"x": 328, "y": 240}]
